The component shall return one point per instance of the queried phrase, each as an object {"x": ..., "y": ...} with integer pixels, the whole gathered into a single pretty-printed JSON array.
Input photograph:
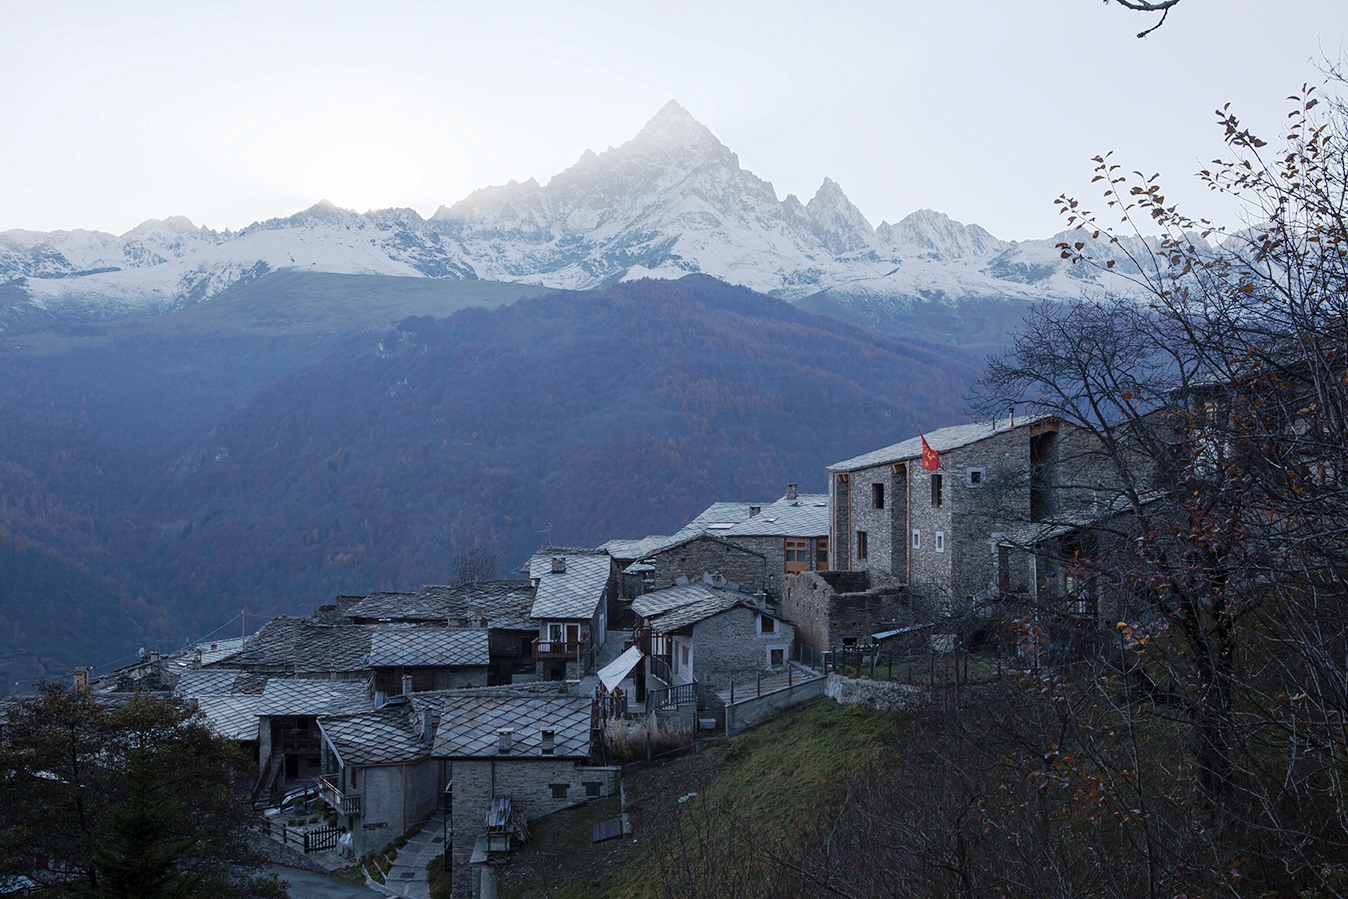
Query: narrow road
[{"x": 308, "y": 885}]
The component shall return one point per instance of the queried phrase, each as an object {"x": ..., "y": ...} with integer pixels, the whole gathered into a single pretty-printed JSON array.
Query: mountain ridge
[{"x": 673, "y": 200}]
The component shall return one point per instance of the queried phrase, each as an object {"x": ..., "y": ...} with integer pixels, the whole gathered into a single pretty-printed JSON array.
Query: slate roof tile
[
  {"x": 942, "y": 440},
  {"x": 470, "y": 719},
  {"x": 430, "y": 646},
  {"x": 805, "y": 516},
  {"x": 386, "y": 736},
  {"x": 574, "y": 593},
  {"x": 304, "y": 696}
]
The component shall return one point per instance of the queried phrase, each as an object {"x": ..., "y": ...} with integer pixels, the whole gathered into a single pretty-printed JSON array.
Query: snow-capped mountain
[{"x": 671, "y": 201}]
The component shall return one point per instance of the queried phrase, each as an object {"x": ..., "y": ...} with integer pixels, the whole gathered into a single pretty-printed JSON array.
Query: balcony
[
  {"x": 332, "y": 794},
  {"x": 558, "y": 649}
]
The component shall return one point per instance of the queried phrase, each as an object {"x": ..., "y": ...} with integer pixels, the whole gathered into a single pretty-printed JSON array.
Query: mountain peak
[{"x": 676, "y": 132}]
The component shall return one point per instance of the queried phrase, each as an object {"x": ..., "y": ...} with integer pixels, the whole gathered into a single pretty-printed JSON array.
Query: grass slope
[{"x": 773, "y": 778}]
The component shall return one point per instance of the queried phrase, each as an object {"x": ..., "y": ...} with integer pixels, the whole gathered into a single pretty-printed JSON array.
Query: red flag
[{"x": 931, "y": 460}]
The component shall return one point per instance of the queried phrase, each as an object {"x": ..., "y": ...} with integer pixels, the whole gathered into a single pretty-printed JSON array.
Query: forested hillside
[{"x": 251, "y": 458}]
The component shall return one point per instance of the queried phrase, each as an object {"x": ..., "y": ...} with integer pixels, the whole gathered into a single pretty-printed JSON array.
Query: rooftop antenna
[{"x": 548, "y": 531}]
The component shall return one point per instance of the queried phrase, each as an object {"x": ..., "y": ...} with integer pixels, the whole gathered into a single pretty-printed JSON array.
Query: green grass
[{"x": 776, "y": 775}]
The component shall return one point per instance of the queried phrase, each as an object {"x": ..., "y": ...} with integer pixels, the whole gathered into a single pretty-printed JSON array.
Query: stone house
[
  {"x": 378, "y": 773},
  {"x": 429, "y": 657},
  {"x": 792, "y": 534},
  {"x": 502, "y": 607},
  {"x": 938, "y": 530},
  {"x": 572, "y": 588},
  {"x": 667, "y": 561},
  {"x": 708, "y": 635},
  {"x": 513, "y": 753},
  {"x": 289, "y": 743}
]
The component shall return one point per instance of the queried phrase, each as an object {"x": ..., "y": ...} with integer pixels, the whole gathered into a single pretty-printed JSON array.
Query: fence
[
  {"x": 959, "y": 667},
  {"x": 316, "y": 840}
]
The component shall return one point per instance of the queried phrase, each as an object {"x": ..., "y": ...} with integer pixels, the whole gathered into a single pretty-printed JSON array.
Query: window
[
  {"x": 821, "y": 554},
  {"x": 936, "y": 484},
  {"x": 683, "y": 651},
  {"x": 593, "y": 789},
  {"x": 767, "y": 625},
  {"x": 797, "y": 555},
  {"x": 861, "y": 546},
  {"x": 878, "y": 496},
  {"x": 973, "y": 477},
  {"x": 555, "y": 633},
  {"x": 559, "y": 790},
  {"x": 940, "y": 541},
  {"x": 776, "y": 657},
  {"x": 917, "y": 539}
]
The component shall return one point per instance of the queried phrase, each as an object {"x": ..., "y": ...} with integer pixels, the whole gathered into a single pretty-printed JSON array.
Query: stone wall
[
  {"x": 529, "y": 782},
  {"x": 829, "y": 606},
  {"x": 885, "y": 696},
  {"x": 710, "y": 555},
  {"x": 393, "y": 798},
  {"x": 746, "y": 713},
  {"x": 733, "y": 642}
]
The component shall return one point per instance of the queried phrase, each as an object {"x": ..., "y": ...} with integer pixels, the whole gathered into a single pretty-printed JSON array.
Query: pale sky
[{"x": 986, "y": 110}]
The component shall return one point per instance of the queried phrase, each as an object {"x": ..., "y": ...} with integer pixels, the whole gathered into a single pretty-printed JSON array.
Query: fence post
[{"x": 760, "y": 684}]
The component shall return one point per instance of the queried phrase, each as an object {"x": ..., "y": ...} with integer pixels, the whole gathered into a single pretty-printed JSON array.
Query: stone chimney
[
  {"x": 505, "y": 740},
  {"x": 791, "y": 491},
  {"x": 549, "y": 741},
  {"x": 81, "y": 678},
  {"x": 427, "y": 725},
  {"x": 559, "y": 564},
  {"x": 407, "y": 685}
]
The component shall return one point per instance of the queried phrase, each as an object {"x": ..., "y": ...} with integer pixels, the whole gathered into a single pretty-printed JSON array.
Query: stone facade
[
  {"x": 393, "y": 798},
  {"x": 532, "y": 783},
  {"x": 710, "y": 555},
  {"x": 731, "y": 643},
  {"x": 830, "y": 606}
]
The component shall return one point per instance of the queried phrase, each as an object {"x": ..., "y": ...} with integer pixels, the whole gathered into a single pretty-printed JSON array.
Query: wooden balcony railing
[
  {"x": 332, "y": 794},
  {"x": 558, "y": 649}
]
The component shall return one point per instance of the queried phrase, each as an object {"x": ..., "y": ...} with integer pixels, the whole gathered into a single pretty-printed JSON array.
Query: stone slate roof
[
  {"x": 691, "y": 613},
  {"x": 469, "y": 720},
  {"x": 214, "y": 651},
  {"x": 942, "y": 440},
  {"x": 661, "y": 601},
  {"x": 300, "y": 696},
  {"x": 804, "y": 516},
  {"x": 302, "y": 646},
  {"x": 428, "y": 646},
  {"x": 387, "y": 736},
  {"x": 716, "y": 520},
  {"x": 505, "y": 605},
  {"x": 201, "y": 681},
  {"x": 231, "y": 715},
  {"x": 574, "y": 593}
]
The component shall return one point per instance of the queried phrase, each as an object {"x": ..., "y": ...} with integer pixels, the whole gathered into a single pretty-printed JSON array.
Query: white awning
[{"x": 613, "y": 673}]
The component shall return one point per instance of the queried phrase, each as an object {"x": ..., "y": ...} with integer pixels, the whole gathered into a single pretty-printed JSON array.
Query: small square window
[
  {"x": 776, "y": 657},
  {"x": 940, "y": 541},
  {"x": 559, "y": 790},
  {"x": 917, "y": 539},
  {"x": 878, "y": 496},
  {"x": 767, "y": 625},
  {"x": 593, "y": 789},
  {"x": 973, "y": 477}
]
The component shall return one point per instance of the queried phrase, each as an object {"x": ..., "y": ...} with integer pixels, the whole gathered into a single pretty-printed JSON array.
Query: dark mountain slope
[{"x": 574, "y": 418}]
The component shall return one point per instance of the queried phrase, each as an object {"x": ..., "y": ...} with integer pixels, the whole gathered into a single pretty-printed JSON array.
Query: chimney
[
  {"x": 791, "y": 491},
  {"x": 407, "y": 685},
  {"x": 81, "y": 678},
  {"x": 754, "y": 510},
  {"x": 559, "y": 564},
  {"x": 427, "y": 725},
  {"x": 549, "y": 741},
  {"x": 505, "y": 739}
]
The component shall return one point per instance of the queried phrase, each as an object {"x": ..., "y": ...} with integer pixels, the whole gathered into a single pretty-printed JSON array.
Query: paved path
[
  {"x": 761, "y": 685},
  {"x": 311, "y": 885},
  {"x": 407, "y": 877}
]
